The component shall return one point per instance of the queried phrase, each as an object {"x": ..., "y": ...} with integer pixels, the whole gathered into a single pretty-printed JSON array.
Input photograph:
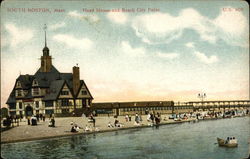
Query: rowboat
[{"x": 229, "y": 142}]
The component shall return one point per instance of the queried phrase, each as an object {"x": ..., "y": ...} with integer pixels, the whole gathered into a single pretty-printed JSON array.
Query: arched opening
[{"x": 28, "y": 111}]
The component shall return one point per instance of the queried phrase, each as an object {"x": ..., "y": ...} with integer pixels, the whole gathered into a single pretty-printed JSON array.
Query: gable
[
  {"x": 84, "y": 92},
  {"x": 65, "y": 92},
  {"x": 34, "y": 83},
  {"x": 18, "y": 84}
]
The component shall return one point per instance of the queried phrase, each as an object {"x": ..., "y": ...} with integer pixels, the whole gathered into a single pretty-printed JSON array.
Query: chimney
[{"x": 76, "y": 79}]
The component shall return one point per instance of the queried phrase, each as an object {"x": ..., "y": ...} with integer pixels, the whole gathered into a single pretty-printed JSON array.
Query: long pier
[
  {"x": 211, "y": 105},
  {"x": 167, "y": 107}
]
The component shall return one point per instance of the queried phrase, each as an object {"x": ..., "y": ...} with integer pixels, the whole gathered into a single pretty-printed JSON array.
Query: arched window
[
  {"x": 37, "y": 104},
  {"x": 20, "y": 105}
]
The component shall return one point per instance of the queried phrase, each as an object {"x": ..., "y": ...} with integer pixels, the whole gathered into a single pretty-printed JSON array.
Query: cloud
[
  {"x": 127, "y": 48},
  {"x": 167, "y": 55},
  {"x": 233, "y": 28},
  {"x": 190, "y": 45},
  {"x": 203, "y": 58},
  {"x": 73, "y": 42},
  {"x": 117, "y": 17},
  {"x": 17, "y": 35},
  {"x": 232, "y": 22},
  {"x": 57, "y": 26},
  {"x": 92, "y": 19},
  {"x": 157, "y": 28}
]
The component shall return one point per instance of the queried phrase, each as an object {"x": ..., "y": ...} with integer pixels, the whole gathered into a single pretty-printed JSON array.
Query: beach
[{"x": 25, "y": 132}]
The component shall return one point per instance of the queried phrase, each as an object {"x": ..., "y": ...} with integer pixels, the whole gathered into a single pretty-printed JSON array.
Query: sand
[{"x": 25, "y": 132}]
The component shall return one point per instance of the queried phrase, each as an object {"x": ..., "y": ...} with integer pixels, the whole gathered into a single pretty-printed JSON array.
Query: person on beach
[
  {"x": 12, "y": 120},
  {"x": 74, "y": 129},
  {"x": 140, "y": 118},
  {"x": 129, "y": 117},
  {"x": 126, "y": 118},
  {"x": 28, "y": 119},
  {"x": 15, "y": 118},
  {"x": 157, "y": 120},
  {"x": 110, "y": 125},
  {"x": 148, "y": 117},
  {"x": 43, "y": 118},
  {"x": 33, "y": 120},
  {"x": 37, "y": 117},
  {"x": 92, "y": 119},
  {"x": 21, "y": 117},
  {"x": 137, "y": 119},
  {"x": 152, "y": 118},
  {"x": 87, "y": 128},
  {"x": 52, "y": 122},
  {"x": 117, "y": 123}
]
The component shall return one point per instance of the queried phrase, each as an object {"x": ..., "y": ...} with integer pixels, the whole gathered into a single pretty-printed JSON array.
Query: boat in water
[{"x": 229, "y": 142}]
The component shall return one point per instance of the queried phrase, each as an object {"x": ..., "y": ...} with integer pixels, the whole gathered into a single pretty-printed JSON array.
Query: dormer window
[
  {"x": 64, "y": 92},
  {"x": 35, "y": 83},
  {"x": 18, "y": 84},
  {"x": 84, "y": 92}
]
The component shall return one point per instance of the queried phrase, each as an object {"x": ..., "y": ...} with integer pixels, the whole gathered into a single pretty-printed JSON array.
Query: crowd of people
[
  {"x": 151, "y": 118},
  {"x": 88, "y": 128}
]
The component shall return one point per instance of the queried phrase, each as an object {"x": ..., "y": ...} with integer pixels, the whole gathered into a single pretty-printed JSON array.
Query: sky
[{"x": 133, "y": 51}]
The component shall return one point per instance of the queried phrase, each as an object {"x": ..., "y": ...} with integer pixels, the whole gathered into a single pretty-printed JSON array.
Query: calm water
[{"x": 187, "y": 140}]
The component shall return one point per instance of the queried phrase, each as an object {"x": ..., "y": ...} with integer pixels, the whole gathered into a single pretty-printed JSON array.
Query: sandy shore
[{"x": 25, "y": 132}]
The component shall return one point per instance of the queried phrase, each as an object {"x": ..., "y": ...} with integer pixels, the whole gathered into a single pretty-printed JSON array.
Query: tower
[{"x": 46, "y": 59}]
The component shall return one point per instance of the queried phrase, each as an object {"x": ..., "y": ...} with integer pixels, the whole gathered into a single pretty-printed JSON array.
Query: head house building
[{"x": 49, "y": 92}]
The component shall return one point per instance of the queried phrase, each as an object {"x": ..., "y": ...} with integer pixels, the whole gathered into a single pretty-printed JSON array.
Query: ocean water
[{"x": 175, "y": 141}]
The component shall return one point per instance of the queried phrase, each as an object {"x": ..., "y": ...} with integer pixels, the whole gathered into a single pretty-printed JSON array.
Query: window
[
  {"x": 70, "y": 103},
  {"x": 65, "y": 111},
  {"x": 18, "y": 84},
  {"x": 104, "y": 111},
  {"x": 37, "y": 104},
  {"x": 12, "y": 112},
  {"x": 83, "y": 102},
  {"x": 64, "y": 92},
  {"x": 48, "y": 103},
  {"x": 84, "y": 92},
  {"x": 19, "y": 92},
  {"x": 20, "y": 105},
  {"x": 51, "y": 111},
  {"x": 65, "y": 102},
  {"x": 12, "y": 106},
  {"x": 35, "y": 82},
  {"x": 35, "y": 91}
]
